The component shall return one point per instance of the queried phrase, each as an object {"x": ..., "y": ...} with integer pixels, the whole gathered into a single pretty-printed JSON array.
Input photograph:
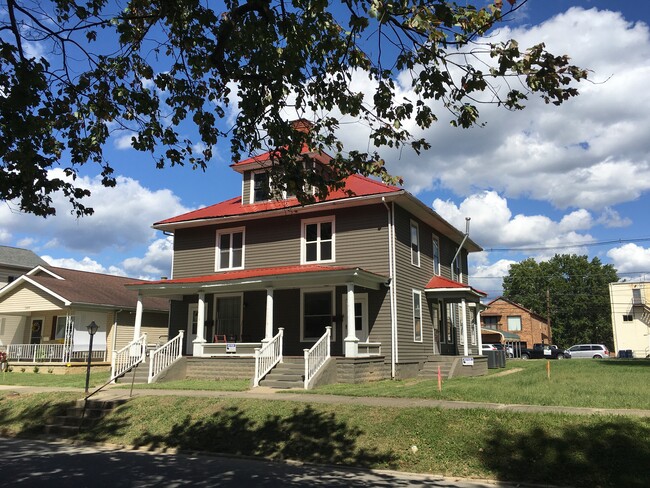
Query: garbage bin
[
  {"x": 621, "y": 354},
  {"x": 492, "y": 359},
  {"x": 628, "y": 353}
]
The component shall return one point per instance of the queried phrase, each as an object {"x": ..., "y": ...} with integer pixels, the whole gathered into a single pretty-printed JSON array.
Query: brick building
[{"x": 506, "y": 316}]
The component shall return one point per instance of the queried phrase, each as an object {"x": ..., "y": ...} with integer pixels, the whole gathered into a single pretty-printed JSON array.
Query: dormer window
[{"x": 261, "y": 191}]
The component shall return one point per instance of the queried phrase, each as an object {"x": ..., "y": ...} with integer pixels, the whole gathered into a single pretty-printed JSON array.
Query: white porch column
[
  {"x": 351, "y": 341},
  {"x": 200, "y": 327},
  {"x": 478, "y": 327},
  {"x": 463, "y": 311},
  {"x": 268, "y": 331},
  {"x": 138, "y": 318}
]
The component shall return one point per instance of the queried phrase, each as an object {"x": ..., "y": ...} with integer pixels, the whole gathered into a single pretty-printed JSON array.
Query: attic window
[{"x": 261, "y": 187}]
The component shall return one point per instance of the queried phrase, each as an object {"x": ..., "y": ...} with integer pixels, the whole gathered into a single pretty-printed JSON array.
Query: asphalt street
[{"x": 39, "y": 463}]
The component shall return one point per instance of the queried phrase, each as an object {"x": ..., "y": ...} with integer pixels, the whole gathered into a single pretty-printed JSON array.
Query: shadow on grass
[
  {"x": 305, "y": 435},
  {"x": 29, "y": 415},
  {"x": 613, "y": 453}
]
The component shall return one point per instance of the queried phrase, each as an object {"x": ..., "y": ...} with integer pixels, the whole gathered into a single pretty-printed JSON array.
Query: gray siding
[
  {"x": 361, "y": 241},
  {"x": 409, "y": 278},
  {"x": 246, "y": 187}
]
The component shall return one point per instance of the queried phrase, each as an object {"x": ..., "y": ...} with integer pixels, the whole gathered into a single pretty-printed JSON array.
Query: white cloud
[
  {"x": 493, "y": 225},
  {"x": 85, "y": 264},
  {"x": 591, "y": 153},
  {"x": 488, "y": 277},
  {"x": 156, "y": 262},
  {"x": 122, "y": 219},
  {"x": 630, "y": 258},
  {"x": 123, "y": 142}
]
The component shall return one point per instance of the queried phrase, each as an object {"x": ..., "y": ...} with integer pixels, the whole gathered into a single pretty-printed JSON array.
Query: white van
[{"x": 595, "y": 351}]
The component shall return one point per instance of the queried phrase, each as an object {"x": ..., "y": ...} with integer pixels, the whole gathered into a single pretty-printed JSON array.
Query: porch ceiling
[{"x": 255, "y": 279}]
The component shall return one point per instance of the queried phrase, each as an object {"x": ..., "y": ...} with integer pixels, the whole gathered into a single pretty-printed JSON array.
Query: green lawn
[
  {"x": 210, "y": 385},
  {"x": 43, "y": 378},
  {"x": 574, "y": 383},
  {"x": 555, "y": 449}
]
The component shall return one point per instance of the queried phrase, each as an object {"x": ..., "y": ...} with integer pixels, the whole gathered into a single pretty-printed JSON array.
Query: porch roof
[
  {"x": 261, "y": 278},
  {"x": 446, "y": 288}
]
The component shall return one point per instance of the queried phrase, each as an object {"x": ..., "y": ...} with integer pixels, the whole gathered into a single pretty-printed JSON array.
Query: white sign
[
  {"x": 468, "y": 361},
  {"x": 231, "y": 347}
]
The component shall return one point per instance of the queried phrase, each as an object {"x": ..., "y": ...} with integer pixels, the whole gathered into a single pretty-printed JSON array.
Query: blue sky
[{"x": 546, "y": 180}]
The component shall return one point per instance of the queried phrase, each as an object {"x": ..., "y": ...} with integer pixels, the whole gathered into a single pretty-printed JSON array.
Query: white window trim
[
  {"x": 331, "y": 290},
  {"x": 303, "y": 239},
  {"x": 419, "y": 294},
  {"x": 217, "y": 259},
  {"x": 435, "y": 271},
  {"x": 417, "y": 227},
  {"x": 251, "y": 197}
]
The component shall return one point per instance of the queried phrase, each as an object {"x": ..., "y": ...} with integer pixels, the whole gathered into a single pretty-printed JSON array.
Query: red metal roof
[
  {"x": 265, "y": 157},
  {"x": 359, "y": 185},
  {"x": 441, "y": 282},
  {"x": 247, "y": 274}
]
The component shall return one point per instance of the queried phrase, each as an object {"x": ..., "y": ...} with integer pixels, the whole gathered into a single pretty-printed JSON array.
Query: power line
[{"x": 568, "y": 246}]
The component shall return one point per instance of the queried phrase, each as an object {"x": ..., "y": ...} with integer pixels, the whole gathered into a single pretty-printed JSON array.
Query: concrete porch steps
[
  {"x": 141, "y": 374},
  {"x": 220, "y": 368},
  {"x": 69, "y": 424},
  {"x": 285, "y": 375}
]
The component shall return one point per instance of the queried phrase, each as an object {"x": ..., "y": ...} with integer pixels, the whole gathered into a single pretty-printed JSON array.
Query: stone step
[
  {"x": 69, "y": 424},
  {"x": 281, "y": 384}
]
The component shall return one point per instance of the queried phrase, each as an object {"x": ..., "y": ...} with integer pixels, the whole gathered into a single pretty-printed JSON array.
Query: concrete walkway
[{"x": 268, "y": 394}]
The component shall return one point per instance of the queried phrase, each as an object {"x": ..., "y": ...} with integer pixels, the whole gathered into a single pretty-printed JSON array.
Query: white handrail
[
  {"x": 134, "y": 353},
  {"x": 267, "y": 356},
  {"x": 166, "y": 355},
  {"x": 316, "y": 357}
]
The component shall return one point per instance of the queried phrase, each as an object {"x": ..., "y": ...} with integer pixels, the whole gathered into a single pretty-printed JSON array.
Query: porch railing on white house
[
  {"x": 48, "y": 353},
  {"x": 134, "y": 353},
  {"x": 163, "y": 357},
  {"x": 267, "y": 356},
  {"x": 316, "y": 357}
]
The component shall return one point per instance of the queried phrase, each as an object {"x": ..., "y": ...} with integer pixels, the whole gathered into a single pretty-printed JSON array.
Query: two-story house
[
  {"x": 248, "y": 266},
  {"x": 630, "y": 304}
]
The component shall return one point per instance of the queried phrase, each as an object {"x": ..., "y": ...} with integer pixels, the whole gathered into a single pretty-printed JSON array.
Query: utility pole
[{"x": 548, "y": 314}]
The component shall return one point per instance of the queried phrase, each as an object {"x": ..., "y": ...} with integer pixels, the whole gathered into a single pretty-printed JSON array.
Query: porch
[{"x": 50, "y": 353}]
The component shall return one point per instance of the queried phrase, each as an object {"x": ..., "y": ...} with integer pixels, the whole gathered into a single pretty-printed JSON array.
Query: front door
[
  {"x": 192, "y": 319},
  {"x": 37, "y": 330},
  {"x": 448, "y": 324},
  {"x": 229, "y": 317},
  {"x": 360, "y": 316}
]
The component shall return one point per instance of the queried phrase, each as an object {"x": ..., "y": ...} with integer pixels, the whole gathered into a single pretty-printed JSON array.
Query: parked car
[
  {"x": 489, "y": 347},
  {"x": 545, "y": 351},
  {"x": 595, "y": 351}
]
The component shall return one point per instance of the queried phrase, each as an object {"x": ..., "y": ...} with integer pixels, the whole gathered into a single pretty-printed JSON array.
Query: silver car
[{"x": 595, "y": 351}]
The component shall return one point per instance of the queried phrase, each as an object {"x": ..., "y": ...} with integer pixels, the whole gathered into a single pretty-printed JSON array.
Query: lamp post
[{"x": 92, "y": 329}]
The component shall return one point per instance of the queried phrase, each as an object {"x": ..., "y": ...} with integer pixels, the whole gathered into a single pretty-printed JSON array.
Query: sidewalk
[{"x": 269, "y": 394}]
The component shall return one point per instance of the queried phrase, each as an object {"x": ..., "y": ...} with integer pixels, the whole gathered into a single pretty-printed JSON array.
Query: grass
[
  {"x": 192, "y": 384},
  {"x": 16, "y": 377},
  {"x": 589, "y": 451},
  {"x": 573, "y": 383}
]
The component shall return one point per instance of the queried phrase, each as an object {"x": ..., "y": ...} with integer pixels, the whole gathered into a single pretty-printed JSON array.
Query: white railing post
[
  {"x": 316, "y": 357},
  {"x": 267, "y": 356},
  {"x": 163, "y": 357}
]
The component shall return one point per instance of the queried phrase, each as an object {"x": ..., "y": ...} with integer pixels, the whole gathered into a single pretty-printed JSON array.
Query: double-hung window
[
  {"x": 230, "y": 249},
  {"x": 417, "y": 316},
  {"x": 415, "y": 244},
  {"x": 318, "y": 237},
  {"x": 261, "y": 187},
  {"x": 436, "y": 256}
]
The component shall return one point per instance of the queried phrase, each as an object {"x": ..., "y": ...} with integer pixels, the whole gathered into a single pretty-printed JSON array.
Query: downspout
[
  {"x": 467, "y": 219},
  {"x": 391, "y": 290}
]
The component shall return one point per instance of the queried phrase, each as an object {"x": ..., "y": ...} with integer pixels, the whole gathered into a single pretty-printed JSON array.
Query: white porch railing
[
  {"x": 166, "y": 355},
  {"x": 268, "y": 356},
  {"x": 48, "y": 353},
  {"x": 128, "y": 357},
  {"x": 317, "y": 356}
]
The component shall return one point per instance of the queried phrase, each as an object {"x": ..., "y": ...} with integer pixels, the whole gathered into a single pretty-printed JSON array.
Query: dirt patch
[{"x": 510, "y": 371}]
